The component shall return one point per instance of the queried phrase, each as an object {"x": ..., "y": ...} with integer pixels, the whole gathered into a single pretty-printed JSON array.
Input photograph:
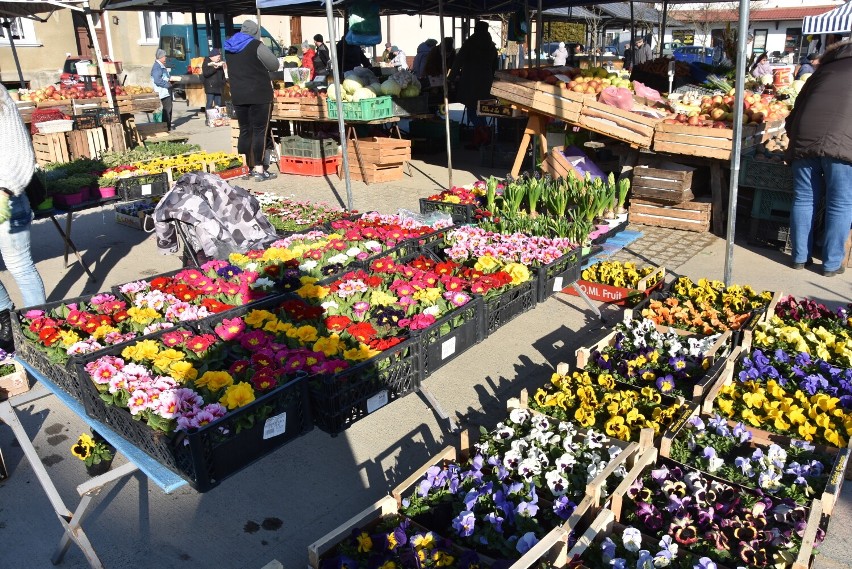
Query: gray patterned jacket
[{"x": 224, "y": 219}]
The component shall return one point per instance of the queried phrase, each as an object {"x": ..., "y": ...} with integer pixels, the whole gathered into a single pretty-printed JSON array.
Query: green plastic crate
[
  {"x": 363, "y": 110},
  {"x": 308, "y": 147},
  {"x": 772, "y": 205}
]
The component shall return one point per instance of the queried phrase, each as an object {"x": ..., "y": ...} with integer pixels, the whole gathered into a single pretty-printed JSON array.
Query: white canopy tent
[{"x": 837, "y": 21}]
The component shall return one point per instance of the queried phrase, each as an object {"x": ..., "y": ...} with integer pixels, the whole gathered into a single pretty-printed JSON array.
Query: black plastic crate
[
  {"x": 106, "y": 117},
  {"x": 138, "y": 187},
  {"x": 85, "y": 121},
  {"x": 207, "y": 456},
  {"x": 462, "y": 213},
  {"x": 555, "y": 276},
  {"x": 613, "y": 231},
  {"x": 409, "y": 106},
  {"x": 505, "y": 307},
  {"x": 450, "y": 335},
  {"x": 339, "y": 400}
]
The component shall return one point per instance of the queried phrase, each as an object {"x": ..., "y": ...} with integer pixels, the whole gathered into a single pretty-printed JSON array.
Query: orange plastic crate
[{"x": 308, "y": 166}]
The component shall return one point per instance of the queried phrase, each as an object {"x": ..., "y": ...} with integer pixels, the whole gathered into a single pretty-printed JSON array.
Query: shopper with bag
[
  {"x": 163, "y": 86},
  {"x": 213, "y": 70}
]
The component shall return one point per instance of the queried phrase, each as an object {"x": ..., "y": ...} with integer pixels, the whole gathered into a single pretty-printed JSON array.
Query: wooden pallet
[
  {"x": 701, "y": 141},
  {"x": 51, "y": 148},
  {"x": 87, "y": 143},
  {"x": 115, "y": 137},
  {"x": 671, "y": 183},
  {"x": 691, "y": 216},
  {"x": 287, "y": 108},
  {"x": 619, "y": 124}
]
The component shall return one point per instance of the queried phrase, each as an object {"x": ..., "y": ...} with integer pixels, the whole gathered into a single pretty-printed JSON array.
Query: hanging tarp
[{"x": 837, "y": 21}]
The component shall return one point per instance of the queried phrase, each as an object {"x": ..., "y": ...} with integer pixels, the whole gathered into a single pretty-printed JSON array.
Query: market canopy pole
[
  {"x": 332, "y": 53},
  {"x": 446, "y": 97},
  {"x": 663, "y": 26},
  {"x": 739, "y": 95}
]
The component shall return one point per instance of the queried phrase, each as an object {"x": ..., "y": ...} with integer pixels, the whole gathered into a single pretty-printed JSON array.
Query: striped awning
[{"x": 837, "y": 21}]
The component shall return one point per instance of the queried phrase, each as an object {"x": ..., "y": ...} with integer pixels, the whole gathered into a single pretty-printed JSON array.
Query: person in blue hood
[{"x": 249, "y": 64}]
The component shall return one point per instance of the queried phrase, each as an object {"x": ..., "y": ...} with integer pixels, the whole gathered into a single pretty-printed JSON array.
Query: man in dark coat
[
  {"x": 213, "y": 70},
  {"x": 473, "y": 69},
  {"x": 820, "y": 149},
  {"x": 350, "y": 56},
  {"x": 422, "y": 53},
  {"x": 322, "y": 59},
  {"x": 640, "y": 53}
]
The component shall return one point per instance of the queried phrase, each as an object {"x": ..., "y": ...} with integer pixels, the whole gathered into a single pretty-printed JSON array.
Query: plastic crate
[
  {"x": 144, "y": 186},
  {"x": 207, "y": 456},
  {"x": 770, "y": 233},
  {"x": 450, "y": 336},
  {"x": 772, "y": 205},
  {"x": 363, "y": 110},
  {"x": 341, "y": 399},
  {"x": 59, "y": 125},
  {"x": 408, "y": 106},
  {"x": 107, "y": 117},
  {"x": 308, "y": 166},
  {"x": 559, "y": 274},
  {"x": 505, "y": 307},
  {"x": 308, "y": 147},
  {"x": 765, "y": 174},
  {"x": 462, "y": 213},
  {"x": 86, "y": 120},
  {"x": 613, "y": 231}
]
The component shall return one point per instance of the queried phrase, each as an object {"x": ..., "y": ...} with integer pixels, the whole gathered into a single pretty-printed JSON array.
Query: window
[
  {"x": 759, "y": 44},
  {"x": 151, "y": 22},
  {"x": 21, "y": 30}
]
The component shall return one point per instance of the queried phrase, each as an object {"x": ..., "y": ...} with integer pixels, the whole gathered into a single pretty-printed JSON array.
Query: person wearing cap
[
  {"x": 807, "y": 65},
  {"x": 322, "y": 59},
  {"x": 213, "y": 70},
  {"x": 420, "y": 58},
  {"x": 387, "y": 55},
  {"x": 398, "y": 60},
  {"x": 560, "y": 55},
  {"x": 473, "y": 71},
  {"x": 308, "y": 54},
  {"x": 249, "y": 65},
  {"x": 163, "y": 86},
  {"x": 640, "y": 53}
]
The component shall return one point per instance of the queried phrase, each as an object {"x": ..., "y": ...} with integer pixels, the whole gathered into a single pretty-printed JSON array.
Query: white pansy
[
  {"x": 520, "y": 446},
  {"x": 566, "y": 461},
  {"x": 529, "y": 467},
  {"x": 353, "y": 251},
  {"x": 519, "y": 416},
  {"x": 338, "y": 259},
  {"x": 511, "y": 459},
  {"x": 556, "y": 483},
  {"x": 308, "y": 265}
]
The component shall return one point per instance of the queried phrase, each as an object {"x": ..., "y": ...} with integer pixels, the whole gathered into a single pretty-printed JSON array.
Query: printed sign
[{"x": 275, "y": 426}]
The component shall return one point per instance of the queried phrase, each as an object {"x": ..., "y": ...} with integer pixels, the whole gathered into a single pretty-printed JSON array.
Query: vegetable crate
[
  {"x": 506, "y": 306},
  {"x": 51, "y": 148},
  {"x": 408, "y": 106},
  {"x": 559, "y": 102},
  {"x": 341, "y": 399},
  {"x": 137, "y": 187},
  {"x": 14, "y": 383},
  {"x": 308, "y": 147},
  {"x": 287, "y": 108},
  {"x": 313, "y": 107},
  {"x": 450, "y": 336},
  {"x": 363, "y": 110},
  {"x": 146, "y": 102},
  {"x": 700, "y": 141},
  {"x": 210, "y": 454},
  {"x": 620, "y": 296},
  {"x": 613, "y": 122},
  {"x": 558, "y": 275},
  {"x": 25, "y": 109},
  {"x": 514, "y": 92},
  {"x": 691, "y": 216},
  {"x": 88, "y": 143},
  {"x": 462, "y": 213},
  {"x": 308, "y": 166},
  {"x": 380, "y": 151},
  {"x": 671, "y": 183}
]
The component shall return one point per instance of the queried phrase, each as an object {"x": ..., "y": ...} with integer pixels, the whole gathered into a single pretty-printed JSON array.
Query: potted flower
[
  {"x": 95, "y": 452},
  {"x": 106, "y": 183}
]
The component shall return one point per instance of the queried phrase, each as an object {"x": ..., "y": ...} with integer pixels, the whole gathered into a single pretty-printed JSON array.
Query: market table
[{"x": 71, "y": 522}]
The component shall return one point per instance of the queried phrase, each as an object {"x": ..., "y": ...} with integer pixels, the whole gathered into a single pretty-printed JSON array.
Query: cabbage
[
  {"x": 332, "y": 92},
  {"x": 766, "y": 79},
  {"x": 805, "y": 76},
  {"x": 391, "y": 87},
  {"x": 410, "y": 91},
  {"x": 351, "y": 85},
  {"x": 375, "y": 88},
  {"x": 798, "y": 84},
  {"x": 363, "y": 93}
]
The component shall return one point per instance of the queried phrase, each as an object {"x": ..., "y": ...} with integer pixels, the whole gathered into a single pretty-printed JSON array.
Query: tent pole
[
  {"x": 8, "y": 25},
  {"x": 195, "y": 31},
  {"x": 100, "y": 58},
  {"x": 663, "y": 25},
  {"x": 739, "y": 96},
  {"x": 335, "y": 72},
  {"x": 632, "y": 36},
  {"x": 446, "y": 97}
]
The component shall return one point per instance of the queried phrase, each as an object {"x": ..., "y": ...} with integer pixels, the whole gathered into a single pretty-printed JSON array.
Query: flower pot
[
  {"x": 108, "y": 192},
  {"x": 99, "y": 468},
  {"x": 68, "y": 200}
]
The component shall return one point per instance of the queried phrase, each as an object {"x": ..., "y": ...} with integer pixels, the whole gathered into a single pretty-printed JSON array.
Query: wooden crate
[
  {"x": 380, "y": 151},
  {"x": 64, "y": 105},
  {"x": 51, "y": 148},
  {"x": 116, "y": 140},
  {"x": 691, "y": 216},
  {"x": 235, "y": 135},
  {"x": 125, "y": 104},
  {"x": 313, "y": 107},
  {"x": 701, "y": 141},
  {"x": 87, "y": 143},
  {"x": 560, "y": 102},
  {"x": 618, "y": 295},
  {"x": 514, "y": 92},
  {"x": 373, "y": 173},
  {"x": 80, "y": 105},
  {"x": 146, "y": 102},
  {"x": 14, "y": 383},
  {"x": 616, "y": 123},
  {"x": 25, "y": 109},
  {"x": 287, "y": 108},
  {"x": 670, "y": 183}
]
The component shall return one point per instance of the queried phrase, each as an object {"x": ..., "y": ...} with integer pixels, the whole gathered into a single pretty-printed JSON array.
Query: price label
[
  {"x": 557, "y": 284},
  {"x": 146, "y": 189},
  {"x": 448, "y": 348},
  {"x": 377, "y": 401},
  {"x": 275, "y": 426}
]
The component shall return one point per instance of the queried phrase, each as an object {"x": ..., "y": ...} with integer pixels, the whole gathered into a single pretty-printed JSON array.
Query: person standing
[
  {"x": 806, "y": 65},
  {"x": 560, "y": 55},
  {"x": 322, "y": 59},
  {"x": 163, "y": 86},
  {"x": 386, "y": 54},
  {"x": 640, "y": 53},
  {"x": 433, "y": 69},
  {"x": 292, "y": 58},
  {"x": 420, "y": 58},
  {"x": 16, "y": 215},
  {"x": 399, "y": 61},
  {"x": 350, "y": 56},
  {"x": 308, "y": 54},
  {"x": 249, "y": 64},
  {"x": 820, "y": 151},
  {"x": 473, "y": 70},
  {"x": 213, "y": 70}
]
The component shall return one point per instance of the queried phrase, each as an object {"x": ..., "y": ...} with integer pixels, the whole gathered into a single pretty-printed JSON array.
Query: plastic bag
[
  {"x": 646, "y": 92},
  {"x": 431, "y": 219},
  {"x": 365, "y": 26},
  {"x": 617, "y": 97}
]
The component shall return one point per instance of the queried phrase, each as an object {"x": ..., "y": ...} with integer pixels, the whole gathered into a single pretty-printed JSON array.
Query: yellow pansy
[
  {"x": 237, "y": 395},
  {"x": 519, "y": 273},
  {"x": 487, "y": 264},
  {"x": 214, "y": 380}
]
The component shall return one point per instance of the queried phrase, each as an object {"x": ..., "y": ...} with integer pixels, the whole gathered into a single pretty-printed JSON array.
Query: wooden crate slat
[
  {"x": 664, "y": 174},
  {"x": 692, "y": 216},
  {"x": 513, "y": 93},
  {"x": 688, "y": 149},
  {"x": 628, "y": 116},
  {"x": 667, "y": 195}
]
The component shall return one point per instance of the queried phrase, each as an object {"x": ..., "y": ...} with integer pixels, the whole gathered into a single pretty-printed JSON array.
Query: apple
[{"x": 717, "y": 114}]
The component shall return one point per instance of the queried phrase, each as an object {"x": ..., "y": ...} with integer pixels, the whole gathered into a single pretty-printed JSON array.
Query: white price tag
[
  {"x": 557, "y": 284},
  {"x": 146, "y": 189},
  {"x": 275, "y": 426},
  {"x": 377, "y": 401},
  {"x": 448, "y": 348}
]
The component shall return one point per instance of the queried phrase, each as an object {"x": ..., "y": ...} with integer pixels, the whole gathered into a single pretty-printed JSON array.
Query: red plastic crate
[{"x": 308, "y": 166}]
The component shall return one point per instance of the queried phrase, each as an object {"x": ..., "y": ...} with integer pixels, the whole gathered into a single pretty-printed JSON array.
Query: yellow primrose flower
[
  {"x": 103, "y": 330},
  {"x": 256, "y": 318},
  {"x": 427, "y": 295},
  {"x": 329, "y": 345},
  {"x": 381, "y": 298},
  {"x": 306, "y": 334},
  {"x": 487, "y": 264},
  {"x": 68, "y": 337},
  {"x": 214, "y": 380},
  {"x": 519, "y": 273},
  {"x": 183, "y": 371},
  {"x": 164, "y": 359},
  {"x": 361, "y": 353},
  {"x": 237, "y": 395},
  {"x": 312, "y": 291},
  {"x": 142, "y": 316}
]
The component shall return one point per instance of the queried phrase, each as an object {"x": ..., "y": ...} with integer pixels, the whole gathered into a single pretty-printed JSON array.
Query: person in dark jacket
[
  {"x": 432, "y": 67},
  {"x": 807, "y": 65},
  {"x": 420, "y": 58},
  {"x": 322, "y": 59},
  {"x": 820, "y": 150},
  {"x": 350, "y": 56},
  {"x": 213, "y": 70},
  {"x": 640, "y": 53},
  {"x": 249, "y": 64},
  {"x": 473, "y": 69}
]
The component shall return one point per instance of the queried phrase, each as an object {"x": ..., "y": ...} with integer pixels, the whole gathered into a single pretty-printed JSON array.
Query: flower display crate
[
  {"x": 558, "y": 275},
  {"x": 620, "y": 296},
  {"x": 611, "y": 232},
  {"x": 14, "y": 383},
  {"x": 340, "y": 400},
  {"x": 651, "y": 460},
  {"x": 462, "y": 213},
  {"x": 508, "y": 305},
  {"x": 451, "y": 335},
  {"x": 208, "y": 455},
  {"x": 137, "y": 187}
]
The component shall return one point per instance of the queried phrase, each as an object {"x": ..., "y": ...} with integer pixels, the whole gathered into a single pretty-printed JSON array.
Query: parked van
[{"x": 179, "y": 44}]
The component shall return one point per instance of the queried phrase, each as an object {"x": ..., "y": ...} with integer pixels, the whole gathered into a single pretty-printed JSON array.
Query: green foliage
[
  {"x": 564, "y": 31},
  {"x": 148, "y": 152}
]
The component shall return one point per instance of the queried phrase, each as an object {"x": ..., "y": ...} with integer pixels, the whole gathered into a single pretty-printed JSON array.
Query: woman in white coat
[{"x": 560, "y": 56}]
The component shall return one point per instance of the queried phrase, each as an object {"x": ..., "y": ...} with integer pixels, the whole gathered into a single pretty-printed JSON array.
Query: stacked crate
[
  {"x": 662, "y": 196},
  {"x": 381, "y": 159}
]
